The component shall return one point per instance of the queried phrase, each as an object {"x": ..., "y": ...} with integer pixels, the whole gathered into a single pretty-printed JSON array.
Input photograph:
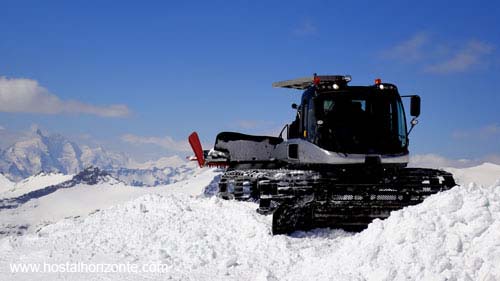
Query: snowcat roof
[{"x": 305, "y": 82}]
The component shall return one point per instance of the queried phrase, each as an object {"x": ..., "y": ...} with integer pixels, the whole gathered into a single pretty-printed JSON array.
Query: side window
[
  {"x": 327, "y": 106},
  {"x": 402, "y": 125},
  {"x": 311, "y": 123}
]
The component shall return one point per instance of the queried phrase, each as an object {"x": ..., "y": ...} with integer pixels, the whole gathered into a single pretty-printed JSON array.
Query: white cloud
[
  {"x": 166, "y": 142},
  {"x": 410, "y": 49},
  {"x": 306, "y": 28},
  {"x": 472, "y": 54},
  {"x": 26, "y": 95},
  {"x": 438, "y": 57},
  {"x": 248, "y": 124},
  {"x": 253, "y": 124},
  {"x": 488, "y": 132}
]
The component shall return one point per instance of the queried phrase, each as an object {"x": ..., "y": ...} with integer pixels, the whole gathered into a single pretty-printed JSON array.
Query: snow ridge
[
  {"x": 32, "y": 183},
  {"x": 89, "y": 176}
]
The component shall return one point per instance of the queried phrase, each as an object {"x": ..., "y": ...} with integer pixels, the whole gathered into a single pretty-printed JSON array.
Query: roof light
[
  {"x": 381, "y": 86},
  {"x": 378, "y": 81},
  {"x": 336, "y": 86}
]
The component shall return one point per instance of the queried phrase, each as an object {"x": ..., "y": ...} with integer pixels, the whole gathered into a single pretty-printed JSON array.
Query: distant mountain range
[{"x": 55, "y": 154}]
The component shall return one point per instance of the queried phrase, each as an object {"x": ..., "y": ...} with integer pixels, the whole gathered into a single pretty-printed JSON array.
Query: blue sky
[{"x": 140, "y": 76}]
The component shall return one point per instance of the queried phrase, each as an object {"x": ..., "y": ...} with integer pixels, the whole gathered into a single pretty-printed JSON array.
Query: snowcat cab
[
  {"x": 366, "y": 122},
  {"x": 342, "y": 163}
]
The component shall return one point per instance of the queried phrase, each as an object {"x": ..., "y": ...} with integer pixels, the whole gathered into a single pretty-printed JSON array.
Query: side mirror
[
  {"x": 295, "y": 106},
  {"x": 415, "y": 106}
]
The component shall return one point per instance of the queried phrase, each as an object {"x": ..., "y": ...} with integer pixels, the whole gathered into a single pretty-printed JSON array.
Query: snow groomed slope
[{"x": 454, "y": 235}]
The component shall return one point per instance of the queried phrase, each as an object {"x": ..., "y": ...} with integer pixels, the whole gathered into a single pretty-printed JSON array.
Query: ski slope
[{"x": 454, "y": 235}]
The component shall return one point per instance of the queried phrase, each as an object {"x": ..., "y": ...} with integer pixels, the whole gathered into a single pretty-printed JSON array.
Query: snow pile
[{"x": 454, "y": 235}]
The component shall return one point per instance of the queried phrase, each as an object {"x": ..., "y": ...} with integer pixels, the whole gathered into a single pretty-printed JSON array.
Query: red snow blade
[{"x": 194, "y": 141}]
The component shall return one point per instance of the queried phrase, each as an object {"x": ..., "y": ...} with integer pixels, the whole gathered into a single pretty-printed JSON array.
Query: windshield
[{"x": 370, "y": 123}]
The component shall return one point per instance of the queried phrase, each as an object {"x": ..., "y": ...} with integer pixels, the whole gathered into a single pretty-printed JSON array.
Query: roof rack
[{"x": 306, "y": 82}]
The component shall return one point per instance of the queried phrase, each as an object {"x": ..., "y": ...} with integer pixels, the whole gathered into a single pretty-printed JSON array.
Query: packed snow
[{"x": 454, "y": 235}]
